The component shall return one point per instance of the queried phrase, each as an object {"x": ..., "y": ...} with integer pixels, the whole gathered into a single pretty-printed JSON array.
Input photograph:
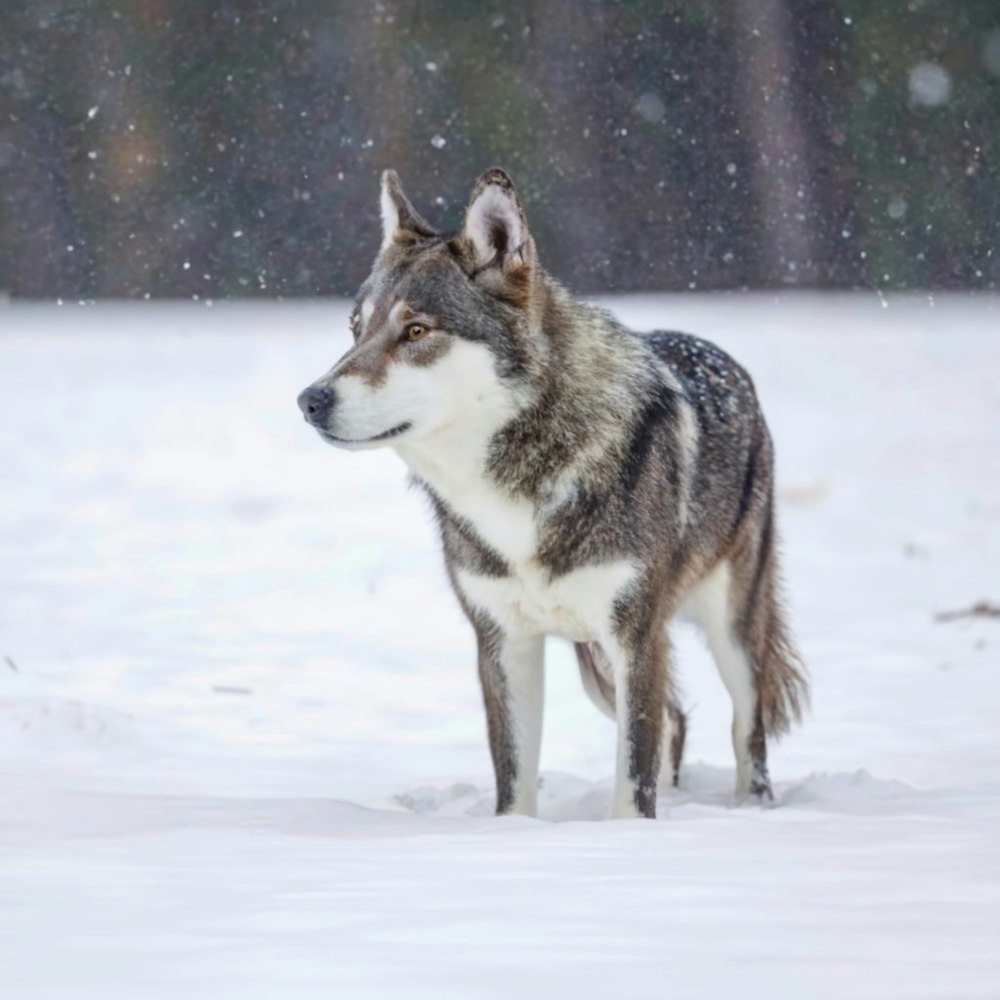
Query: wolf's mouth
[{"x": 384, "y": 436}]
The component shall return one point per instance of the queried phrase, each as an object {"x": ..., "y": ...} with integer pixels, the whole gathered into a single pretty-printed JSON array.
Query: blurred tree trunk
[
  {"x": 765, "y": 52},
  {"x": 569, "y": 74},
  {"x": 50, "y": 254}
]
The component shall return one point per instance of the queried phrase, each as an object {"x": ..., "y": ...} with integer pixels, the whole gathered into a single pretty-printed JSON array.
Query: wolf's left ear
[
  {"x": 400, "y": 220},
  {"x": 495, "y": 225}
]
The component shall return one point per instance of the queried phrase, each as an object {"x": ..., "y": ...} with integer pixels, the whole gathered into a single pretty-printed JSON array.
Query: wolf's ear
[
  {"x": 495, "y": 227},
  {"x": 400, "y": 220}
]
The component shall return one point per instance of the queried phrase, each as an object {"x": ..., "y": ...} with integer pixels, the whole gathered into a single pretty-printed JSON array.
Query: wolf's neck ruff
[
  {"x": 588, "y": 482},
  {"x": 592, "y": 380}
]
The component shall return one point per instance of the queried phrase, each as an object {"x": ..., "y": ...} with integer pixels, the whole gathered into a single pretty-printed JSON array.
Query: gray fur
[{"x": 642, "y": 450}]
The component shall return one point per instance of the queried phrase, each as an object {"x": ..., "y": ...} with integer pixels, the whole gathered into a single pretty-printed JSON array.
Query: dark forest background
[{"x": 217, "y": 149}]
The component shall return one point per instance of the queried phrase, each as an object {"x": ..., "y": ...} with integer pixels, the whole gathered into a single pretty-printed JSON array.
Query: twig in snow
[
  {"x": 981, "y": 609},
  {"x": 11, "y": 664}
]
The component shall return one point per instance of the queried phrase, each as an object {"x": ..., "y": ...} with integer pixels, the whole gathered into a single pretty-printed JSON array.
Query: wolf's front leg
[
  {"x": 512, "y": 674},
  {"x": 640, "y": 666}
]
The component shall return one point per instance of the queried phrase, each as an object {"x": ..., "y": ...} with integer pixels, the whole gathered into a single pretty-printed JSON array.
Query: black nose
[{"x": 316, "y": 402}]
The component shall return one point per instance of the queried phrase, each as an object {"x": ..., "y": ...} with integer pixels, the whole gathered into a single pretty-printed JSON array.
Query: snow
[
  {"x": 930, "y": 84},
  {"x": 241, "y": 742}
]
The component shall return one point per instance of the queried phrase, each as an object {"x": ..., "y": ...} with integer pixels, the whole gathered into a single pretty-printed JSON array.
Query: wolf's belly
[{"x": 577, "y": 606}]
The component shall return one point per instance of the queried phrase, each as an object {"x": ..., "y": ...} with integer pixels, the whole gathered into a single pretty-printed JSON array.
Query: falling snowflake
[
  {"x": 930, "y": 84},
  {"x": 650, "y": 107}
]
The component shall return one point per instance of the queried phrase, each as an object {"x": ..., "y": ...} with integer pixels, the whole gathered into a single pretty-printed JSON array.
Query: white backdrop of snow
[{"x": 241, "y": 743}]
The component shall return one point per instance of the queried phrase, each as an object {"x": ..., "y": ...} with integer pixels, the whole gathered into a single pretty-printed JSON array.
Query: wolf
[{"x": 589, "y": 482}]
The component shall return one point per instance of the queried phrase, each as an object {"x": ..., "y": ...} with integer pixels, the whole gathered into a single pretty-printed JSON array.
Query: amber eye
[{"x": 415, "y": 331}]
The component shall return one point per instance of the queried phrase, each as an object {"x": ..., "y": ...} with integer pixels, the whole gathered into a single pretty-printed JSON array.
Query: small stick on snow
[{"x": 982, "y": 609}]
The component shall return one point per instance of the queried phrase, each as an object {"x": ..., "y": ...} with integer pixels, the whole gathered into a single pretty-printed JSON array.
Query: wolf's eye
[{"x": 415, "y": 331}]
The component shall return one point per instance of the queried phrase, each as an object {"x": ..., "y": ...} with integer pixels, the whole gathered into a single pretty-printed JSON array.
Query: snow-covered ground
[{"x": 241, "y": 741}]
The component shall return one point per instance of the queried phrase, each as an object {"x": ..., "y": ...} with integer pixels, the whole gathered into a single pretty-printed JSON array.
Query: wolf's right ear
[
  {"x": 497, "y": 244},
  {"x": 495, "y": 225},
  {"x": 400, "y": 220}
]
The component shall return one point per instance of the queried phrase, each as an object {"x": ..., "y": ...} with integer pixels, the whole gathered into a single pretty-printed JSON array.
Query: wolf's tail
[{"x": 782, "y": 687}]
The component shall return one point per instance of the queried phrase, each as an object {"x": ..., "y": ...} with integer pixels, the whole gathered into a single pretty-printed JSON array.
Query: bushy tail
[
  {"x": 596, "y": 675},
  {"x": 782, "y": 686}
]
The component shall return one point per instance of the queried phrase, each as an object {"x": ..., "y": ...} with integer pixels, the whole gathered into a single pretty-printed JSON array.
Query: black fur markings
[
  {"x": 659, "y": 411},
  {"x": 677, "y": 740},
  {"x": 712, "y": 379},
  {"x": 645, "y": 799},
  {"x": 760, "y": 781}
]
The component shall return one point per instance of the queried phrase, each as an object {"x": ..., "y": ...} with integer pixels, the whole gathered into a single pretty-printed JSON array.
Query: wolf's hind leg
[
  {"x": 675, "y": 734},
  {"x": 597, "y": 676},
  {"x": 596, "y": 673},
  {"x": 512, "y": 675},
  {"x": 712, "y": 606}
]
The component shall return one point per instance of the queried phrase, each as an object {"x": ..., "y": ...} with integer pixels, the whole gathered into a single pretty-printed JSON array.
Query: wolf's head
[{"x": 443, "y": 326}]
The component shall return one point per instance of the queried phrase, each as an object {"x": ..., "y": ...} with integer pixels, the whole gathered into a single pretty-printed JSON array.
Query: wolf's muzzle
[{"x": 317, "y": 403}]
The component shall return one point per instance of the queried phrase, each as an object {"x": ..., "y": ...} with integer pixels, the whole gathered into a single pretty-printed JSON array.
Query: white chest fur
[
  {"x": 577, "y": 605},
  {"x": 504, "y": 523}
]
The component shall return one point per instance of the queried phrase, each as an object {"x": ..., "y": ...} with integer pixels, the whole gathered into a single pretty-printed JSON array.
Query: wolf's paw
[{"x": 757, "y": 795}]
